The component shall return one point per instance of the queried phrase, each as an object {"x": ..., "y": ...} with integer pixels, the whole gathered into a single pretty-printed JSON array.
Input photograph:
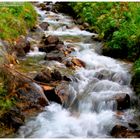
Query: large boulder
[{"x": 30, "y": 98}]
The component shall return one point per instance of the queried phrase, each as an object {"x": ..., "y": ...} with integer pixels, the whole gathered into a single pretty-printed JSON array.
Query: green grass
[{"x": 16, "y": 19}]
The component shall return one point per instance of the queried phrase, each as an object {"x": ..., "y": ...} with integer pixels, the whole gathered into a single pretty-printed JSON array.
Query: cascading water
[{"x": 91, "y": 110}]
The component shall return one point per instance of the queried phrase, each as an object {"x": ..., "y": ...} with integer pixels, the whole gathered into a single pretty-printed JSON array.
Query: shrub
[{"x": 116, "y": 22}]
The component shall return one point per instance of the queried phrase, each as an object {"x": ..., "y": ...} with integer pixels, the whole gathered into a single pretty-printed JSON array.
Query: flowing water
[{"x": 92, "y": 108}]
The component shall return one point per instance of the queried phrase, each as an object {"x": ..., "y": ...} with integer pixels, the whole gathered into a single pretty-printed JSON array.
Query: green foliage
[
  {"x": 16, "y": 19},
  {"x": 116, "y": 22}
]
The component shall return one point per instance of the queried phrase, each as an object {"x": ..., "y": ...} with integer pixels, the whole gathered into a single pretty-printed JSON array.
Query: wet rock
[
  {"x": 43, "y": 6},
  {"x": 66, "y": 94},
  {"x": 54, "y": 55},
  {"x": 27, "y": 47},
  {"x": 56, "y": 58},
  {"x": 56, "y": 75},
  {"x": 44, "y": 25},
  {"x": 66, "y": 78},
  {"x": 70, "y": 48},
  {"x": 22, "y": 46},
  {"x": 47, "y": 8},
  {"x": 119, "y": 131},
  {"x": 44, "y": 76},
  {"x": 51, "y": 43},
  {"x": 51, "y": 39},
  {"x": 68, "y": 63},
  {"x": 52, "y": 96},
  {"x": 78, "y": 62},
  {"x": 63, "y": 93},
  {"x": 47, "y": 76},
  {"x": 48, "y": 48},
  {"x": 133, "y": 125},
  {"x": 30, "y": 97},
  {"x": 123, "y": 101}
]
